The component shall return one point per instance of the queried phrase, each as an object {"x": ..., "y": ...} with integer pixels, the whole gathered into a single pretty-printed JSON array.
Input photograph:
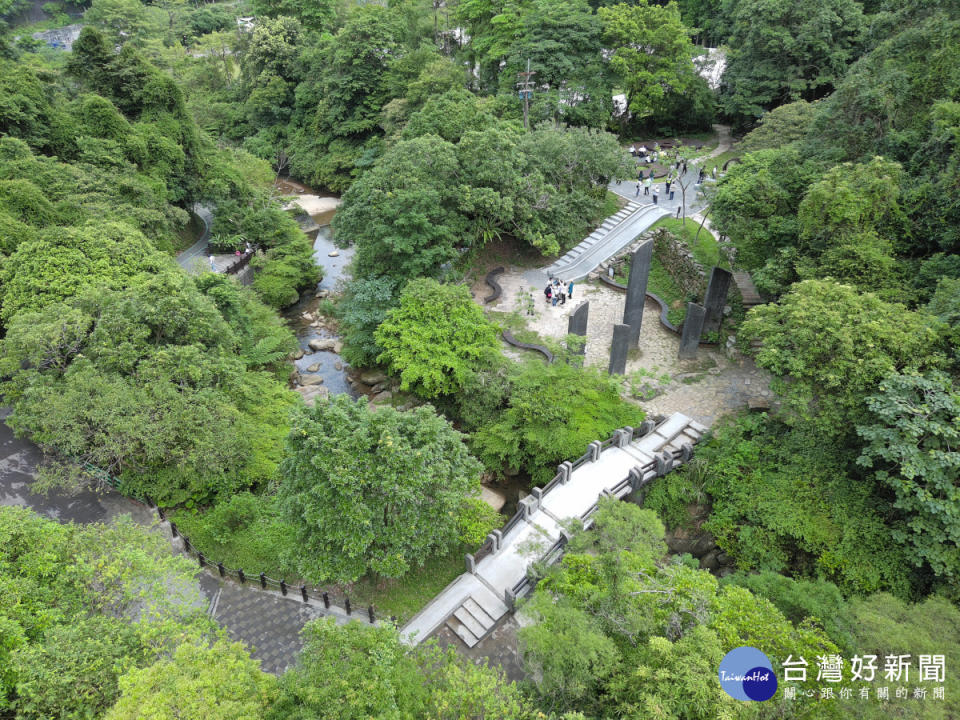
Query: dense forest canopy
[{"x": 837, "y": 512}]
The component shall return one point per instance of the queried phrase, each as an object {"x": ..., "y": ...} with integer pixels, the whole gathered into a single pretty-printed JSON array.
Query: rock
[
  {"x": 723, "y": 558},
  {"x": 307, "y": 316},
  {"x": 379, "y": 387},
  {"x": 705, "y": 544},
  {"x": 493, "y": 498},
  {"x": 307, "y": 380},
  {"x": 333, "y": 253},
  {"x": 298, "y": 354},
  {"x": 338, "y": 347},
  {"x": 406, "y": 406},
  {"x": 322, "y": 344},
  {"x": 322, "y": 293},
  {"x": 338, "y": 366},
  {"x": 382, "y": 397},
  {"x": 294, "y": 378},
  {"x": 679, "y": 542},
  {"x": 310, "y": 394},
  {"x": 372, "y": 377},
  {"x": 758, "y": 404},
  {"x": 709, "y": 561},
  {"x": 313, "y": 368}
]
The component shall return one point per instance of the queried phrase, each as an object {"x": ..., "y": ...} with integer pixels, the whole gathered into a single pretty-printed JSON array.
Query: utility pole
[{"x": 526, "y": 92}]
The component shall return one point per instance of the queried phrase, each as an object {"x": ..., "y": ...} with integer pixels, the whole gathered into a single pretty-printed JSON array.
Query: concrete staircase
[
  {"x": 615, "y": 233},
  {"x": 476, "y": 617}
]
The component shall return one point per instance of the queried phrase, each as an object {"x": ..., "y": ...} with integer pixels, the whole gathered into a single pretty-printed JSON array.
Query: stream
[{"x": 315, "y": 222}]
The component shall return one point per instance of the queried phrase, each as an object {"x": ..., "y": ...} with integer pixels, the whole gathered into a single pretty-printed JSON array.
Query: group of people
[{"x": 557, "y": 291}]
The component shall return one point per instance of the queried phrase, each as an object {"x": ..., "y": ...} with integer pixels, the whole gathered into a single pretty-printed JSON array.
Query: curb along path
[{"x": 264, "y": 620}]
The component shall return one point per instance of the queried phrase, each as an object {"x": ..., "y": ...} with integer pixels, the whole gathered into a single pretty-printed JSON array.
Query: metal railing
[{"x": 255, "y": 580}]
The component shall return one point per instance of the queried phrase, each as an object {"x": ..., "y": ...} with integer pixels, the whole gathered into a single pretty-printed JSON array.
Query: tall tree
[
  {"x": 913, "y": 442},
  {"x": 652, "y": 53},
  {"x": 372, "y": 490},
  {"x": 782, "y": 52},
  {"x": 436, "y": 337}
]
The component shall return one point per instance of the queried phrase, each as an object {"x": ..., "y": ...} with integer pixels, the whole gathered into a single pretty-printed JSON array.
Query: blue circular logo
[{"x": 747, "y": 674}]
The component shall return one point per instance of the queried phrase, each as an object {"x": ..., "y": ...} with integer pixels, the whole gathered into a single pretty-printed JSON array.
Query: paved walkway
[
  {"x": 614, "y": 234},
  {"x": 266, "y": 622},
  {"x": 474, "y": 603}
]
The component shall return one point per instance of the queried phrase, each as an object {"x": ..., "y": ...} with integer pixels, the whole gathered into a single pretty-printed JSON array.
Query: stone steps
[{"x": 471, "y": 622}]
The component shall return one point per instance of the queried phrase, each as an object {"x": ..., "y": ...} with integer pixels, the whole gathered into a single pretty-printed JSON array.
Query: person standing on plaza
[
  {"x": 656, "y": 193},
  {"x": 570, "y": 290}
]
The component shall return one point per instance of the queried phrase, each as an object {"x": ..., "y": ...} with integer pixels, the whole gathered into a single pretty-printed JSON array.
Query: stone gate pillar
[
  {"x": 637, "y": 290},
  {"x": 716, "y": 298}
]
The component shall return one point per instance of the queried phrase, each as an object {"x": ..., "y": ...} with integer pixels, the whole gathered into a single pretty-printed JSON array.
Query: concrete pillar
[
  {"x": 624, "y": 436},
  {"x": 529, "y": 505},
  {"x": 636, "y": 476},
  {"x": 647, "y": 427},
  {"x": 509, "y": 598},
  {"x": 686, "y": 450},
  {"x": 577, "y": 323},
  {"x": 664, "y": 463},
  {"x": 566, "y": 470},
  {"x": 637, "y": 290},
  {"x": 471, "y": 563},
  {"x": 594, "y": 449},
  {"x": 692, "y": 329},
  {"x": 538, "y": 494},
  {"x": 715, "y": 299},
  {"x": 618, "y": 350}
]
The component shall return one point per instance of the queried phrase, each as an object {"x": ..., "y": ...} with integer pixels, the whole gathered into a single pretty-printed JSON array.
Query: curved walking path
[
  {"x": 197, "y": 251},
  {"x": 268, "y": 623}
]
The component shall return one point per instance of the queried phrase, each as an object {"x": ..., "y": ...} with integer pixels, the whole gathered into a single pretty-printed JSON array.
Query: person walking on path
[
  {"x": 570, "y": 290},
  {"x": 548, "y": 292},
  {"x": 656, "y": 192},
  {"x": 562, "y": 289},
  {"x": 638, "y": 189},
  {"x": 646, "y": 186},
  {"x": 668, "y": 183},
  {"x": 213, "y": 264},
  {"x": 554, "y": 299}
]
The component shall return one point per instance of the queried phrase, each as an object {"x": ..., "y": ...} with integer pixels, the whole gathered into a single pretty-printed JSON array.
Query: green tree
[
  {"x": 400, "y": 214},
  {"x": 884, "y": 625},
  {"x": 781, "y": 126},
  {"x": 913, "y": 443},
  {"x": 781, "y": 499},
  {"x": 62, "y": 262},
  {"x": 435, "y": 338},
  {"x": 372, "y": 490},
  {"x": 218, "y": 681},
  {"x": 650, "y": 631},
  {"x": 552, "y": 413},
  {"x": 652, "y": 52},
  {"x": 124, "y": 20},
  {"x": 352, "y": 672},
  {"x": 828, "y": 346},
  {"x": 782, "y": 53},
  {"x": 82, "y": 604},
  {"x": 360, "y": 312}
]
